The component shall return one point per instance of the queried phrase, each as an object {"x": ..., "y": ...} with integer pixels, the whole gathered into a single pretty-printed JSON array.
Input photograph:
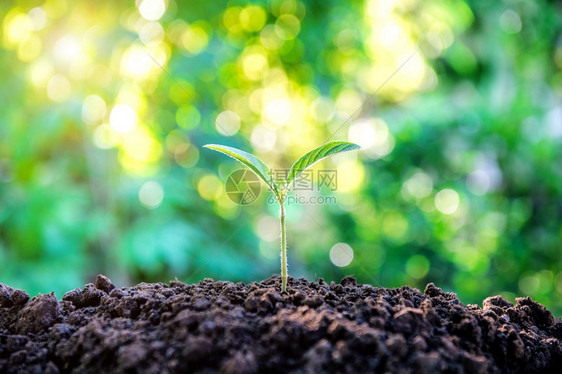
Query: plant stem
[{"x": 283, "y": 246}]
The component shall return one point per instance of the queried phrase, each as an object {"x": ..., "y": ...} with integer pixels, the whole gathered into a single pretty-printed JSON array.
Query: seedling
[{"x": 280, "y": 188}]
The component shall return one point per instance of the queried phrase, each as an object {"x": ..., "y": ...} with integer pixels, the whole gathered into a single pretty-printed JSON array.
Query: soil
[{"x": 314, "y": 327}]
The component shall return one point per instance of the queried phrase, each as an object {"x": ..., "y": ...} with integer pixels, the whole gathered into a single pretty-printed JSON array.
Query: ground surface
[{"x": 234, "y": 328}]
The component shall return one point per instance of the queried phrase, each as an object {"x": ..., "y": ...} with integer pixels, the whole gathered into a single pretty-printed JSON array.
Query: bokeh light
[
  {"x": 123, "y": 118},
  {"x": 341, "y": 254},
  {"x": 152, "y": 10},
  {"x": 417, "y": 266},
  {"x": 447, "y": 201},
  {"x": 58, "y": 88},
  {"x": 228, "y": 123},
  {"x": 93, "y": 109},
  {"x": 151, "y": 194}
]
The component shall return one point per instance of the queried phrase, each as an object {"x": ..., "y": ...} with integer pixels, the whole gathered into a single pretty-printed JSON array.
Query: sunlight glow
[
  {"x": 123, "y": 118},
  {"x": 364, "y": 133},
  {"x": 277, "y": 111},
  {"x": 390, "y": 43},
  {"x": 137, "y": 62},
  {"x": 263, "y": 138},
  {"x": 139, "y": 151},
  {"x": 152, "y": 10},
  {"x": 373, "y": 137},
  {"x": 389, "y": 33},
  {"x": 378, "y": 9},
  {"x": 66, "y": 48}
]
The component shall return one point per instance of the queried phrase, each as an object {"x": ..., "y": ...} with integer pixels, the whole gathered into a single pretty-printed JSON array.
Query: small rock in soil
[
  {"x": 39, "y": 314},
  {"x": 103, "y": 283}
]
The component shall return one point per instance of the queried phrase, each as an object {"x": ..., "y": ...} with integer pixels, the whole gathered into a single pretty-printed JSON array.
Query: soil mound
[{"x": 314, "y": 327}]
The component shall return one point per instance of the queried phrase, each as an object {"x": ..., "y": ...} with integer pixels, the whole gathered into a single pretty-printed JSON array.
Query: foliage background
[{"x": 106, "y": 104}]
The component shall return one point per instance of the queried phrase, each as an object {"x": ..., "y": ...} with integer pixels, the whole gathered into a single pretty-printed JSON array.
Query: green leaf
[
  {"x": 249, "y": 160},
  {"x": 316, "y": 155}
]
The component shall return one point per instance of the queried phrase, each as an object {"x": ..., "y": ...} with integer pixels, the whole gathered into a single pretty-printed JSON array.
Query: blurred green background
[{"x": 105, "y": 106}]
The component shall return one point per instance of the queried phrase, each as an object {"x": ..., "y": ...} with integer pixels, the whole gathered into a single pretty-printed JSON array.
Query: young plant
[{"x": 280, "y": 191}]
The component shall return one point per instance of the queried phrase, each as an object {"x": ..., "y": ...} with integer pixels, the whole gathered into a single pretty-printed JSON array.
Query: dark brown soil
[{"x": 315, "y": 327}]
